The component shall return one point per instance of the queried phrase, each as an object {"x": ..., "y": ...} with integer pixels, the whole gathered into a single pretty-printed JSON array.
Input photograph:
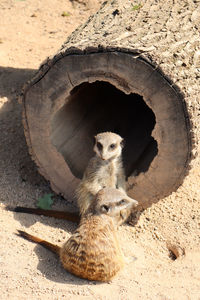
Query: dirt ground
[{"x": 29, "y": 32}]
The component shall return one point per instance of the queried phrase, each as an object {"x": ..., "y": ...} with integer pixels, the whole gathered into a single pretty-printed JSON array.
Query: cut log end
[{"x": 87, "y": 93}]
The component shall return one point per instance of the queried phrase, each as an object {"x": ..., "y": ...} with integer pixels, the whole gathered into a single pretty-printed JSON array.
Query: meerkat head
[
  {"x": 114, "y": 203},
  {"x": 108, "y": 145}
]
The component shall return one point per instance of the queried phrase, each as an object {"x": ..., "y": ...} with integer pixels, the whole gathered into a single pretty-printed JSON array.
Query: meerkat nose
[{"x": 103, "y": 157}]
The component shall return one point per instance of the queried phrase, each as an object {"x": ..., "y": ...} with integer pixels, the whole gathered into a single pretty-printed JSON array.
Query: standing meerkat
[
  {"x": 93, "y": 251},
  {"x": 105, "y": 169}
]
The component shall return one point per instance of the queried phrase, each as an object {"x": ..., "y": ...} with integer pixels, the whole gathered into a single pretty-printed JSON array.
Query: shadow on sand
[{"x": 20, "y": 182}]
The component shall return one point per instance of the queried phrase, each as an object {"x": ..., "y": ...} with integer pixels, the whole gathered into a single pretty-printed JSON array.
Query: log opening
[{"x": 97, "y": 107}]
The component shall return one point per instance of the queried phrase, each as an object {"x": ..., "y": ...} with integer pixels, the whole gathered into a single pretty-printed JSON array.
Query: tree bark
[{"x": 131, "y": 69}]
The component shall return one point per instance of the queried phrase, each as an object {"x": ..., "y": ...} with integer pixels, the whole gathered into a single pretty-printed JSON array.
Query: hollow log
[{"x": 130, "y": 69}]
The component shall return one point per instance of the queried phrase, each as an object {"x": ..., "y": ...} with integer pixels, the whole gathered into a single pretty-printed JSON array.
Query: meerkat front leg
[{"x": 121, "y": 181}]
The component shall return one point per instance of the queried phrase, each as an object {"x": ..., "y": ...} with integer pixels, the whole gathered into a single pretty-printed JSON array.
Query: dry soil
[{"x": 166, "y": 239}]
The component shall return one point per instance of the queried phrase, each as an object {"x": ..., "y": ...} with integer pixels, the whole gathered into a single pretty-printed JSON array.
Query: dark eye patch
[
  {"x": 105, "y": 208},
  {"x": 122, "y": 143},
  {"x": 112, "y": 146},
  {"x": 121, "y": 202},
  {"x": 99, "y": 146}
]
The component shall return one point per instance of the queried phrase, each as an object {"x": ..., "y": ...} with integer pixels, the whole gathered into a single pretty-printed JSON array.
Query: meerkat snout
[{"x": 108, "y": 145}]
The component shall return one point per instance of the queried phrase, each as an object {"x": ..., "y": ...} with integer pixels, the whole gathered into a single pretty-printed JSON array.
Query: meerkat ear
[{"x": 122, "y": 143}]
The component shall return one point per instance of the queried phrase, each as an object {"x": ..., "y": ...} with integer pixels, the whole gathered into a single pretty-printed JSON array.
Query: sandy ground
[{"x": 29, "y": 32}]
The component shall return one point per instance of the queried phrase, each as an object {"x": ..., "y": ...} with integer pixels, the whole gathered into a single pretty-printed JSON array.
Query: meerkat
[
  {"x": 105, "y": 169},
  {"x": 93, "y": 251}
]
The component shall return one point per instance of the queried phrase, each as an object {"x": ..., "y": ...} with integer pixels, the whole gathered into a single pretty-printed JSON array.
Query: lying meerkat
[{"x": 93, "y": 251}]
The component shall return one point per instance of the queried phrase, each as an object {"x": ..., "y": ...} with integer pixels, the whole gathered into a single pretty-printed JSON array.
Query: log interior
[{"x": 97, "y": 107}]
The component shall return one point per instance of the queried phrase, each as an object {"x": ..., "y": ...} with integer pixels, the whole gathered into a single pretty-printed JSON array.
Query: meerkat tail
[
  {"x": 69, "y": 216},
  {"x": 53, "y": 248}
]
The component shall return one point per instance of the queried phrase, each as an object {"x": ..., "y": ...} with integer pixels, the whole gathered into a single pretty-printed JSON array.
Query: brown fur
[{"x": 93, "y": 251}]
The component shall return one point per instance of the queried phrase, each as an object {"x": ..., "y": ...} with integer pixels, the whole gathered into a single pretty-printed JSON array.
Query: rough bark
[{"x": 151, "y": 50}]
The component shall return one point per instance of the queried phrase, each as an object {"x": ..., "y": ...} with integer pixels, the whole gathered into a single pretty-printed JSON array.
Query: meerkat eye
[
  {"x": 105, "y": 208},
  {"x": 99, "y": 146},
  {"x": 112, "y": 146},
  {"x": 122, "y": 144},
  {"x": 121, "y": 202}
]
